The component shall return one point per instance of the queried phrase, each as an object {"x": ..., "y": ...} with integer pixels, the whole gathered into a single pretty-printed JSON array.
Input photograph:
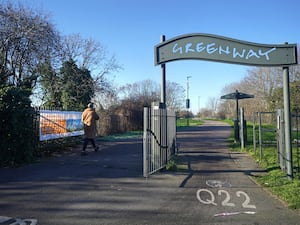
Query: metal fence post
[
  {"x": 242, "y": 128},
  {"x": 280, "y": 136},
  {"x": 254, "y": 132},
  {"x": 146, "y": 142},
  {"x": 287, "y": 121},
  {"x": 260, "y": 137}
]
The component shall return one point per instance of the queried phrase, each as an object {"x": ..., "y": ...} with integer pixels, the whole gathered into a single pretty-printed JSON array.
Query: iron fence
[
  {"x": 159, "y": 140},
  {"x": 295, "y": 122},
  {"x": 268, "y": 131}
]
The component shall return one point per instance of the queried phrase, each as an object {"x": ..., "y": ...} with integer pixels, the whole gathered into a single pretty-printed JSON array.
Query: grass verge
[
  {"x": 177, "y": 164},
  {"x": 116, "y": 137},
  {"x": 275, "y": 180}
]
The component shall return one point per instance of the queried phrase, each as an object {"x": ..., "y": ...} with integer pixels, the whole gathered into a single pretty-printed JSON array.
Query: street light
[
  {"x": 198, "y": 106},
  {"x": 187, "y": 99}
]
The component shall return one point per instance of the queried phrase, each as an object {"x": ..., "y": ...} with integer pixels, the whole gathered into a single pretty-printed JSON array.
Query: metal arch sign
[{"x": 221, "y": 49}]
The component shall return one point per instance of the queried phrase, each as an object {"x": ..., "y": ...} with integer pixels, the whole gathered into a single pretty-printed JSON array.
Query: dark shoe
[
  {"x": 97, "y": 149},
  {"x": 83, "y": 153}
]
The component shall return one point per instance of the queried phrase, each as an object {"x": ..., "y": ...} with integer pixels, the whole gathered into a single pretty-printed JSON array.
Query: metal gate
[
  {"x": 272, "y": 131},
  {"x": 159, "y": 140},
  {"x": 276, "y": 134},
  {"x": 283, "y": 157}
]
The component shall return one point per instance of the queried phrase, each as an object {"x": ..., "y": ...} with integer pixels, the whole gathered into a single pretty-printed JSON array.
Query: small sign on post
[
  {"x": 236, "y": 96},
  {"x": 187, "y": 103}
]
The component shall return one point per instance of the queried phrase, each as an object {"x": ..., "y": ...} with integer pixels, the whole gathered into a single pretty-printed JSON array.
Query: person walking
[{"x": 89, "y": 118}]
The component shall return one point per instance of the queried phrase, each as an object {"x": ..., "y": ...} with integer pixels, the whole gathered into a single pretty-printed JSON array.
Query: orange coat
[{"x": 89, "y": 118}]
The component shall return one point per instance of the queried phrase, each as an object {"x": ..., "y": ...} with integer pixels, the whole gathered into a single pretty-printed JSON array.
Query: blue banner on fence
[{"x": 57, "y": 124}]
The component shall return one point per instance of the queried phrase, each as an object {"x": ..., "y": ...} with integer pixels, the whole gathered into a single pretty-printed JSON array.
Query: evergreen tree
[
  {"x": 51, "y": 86},
  {"x": 77, "y": 86}
]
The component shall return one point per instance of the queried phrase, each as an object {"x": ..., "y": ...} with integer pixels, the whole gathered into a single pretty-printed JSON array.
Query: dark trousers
[{"x": 86, "y": 142}]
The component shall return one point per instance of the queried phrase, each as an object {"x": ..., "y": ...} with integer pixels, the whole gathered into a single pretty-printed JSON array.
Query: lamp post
[
  {"x": 187, "y": 99},
  {"x": 199, "y": 107}
]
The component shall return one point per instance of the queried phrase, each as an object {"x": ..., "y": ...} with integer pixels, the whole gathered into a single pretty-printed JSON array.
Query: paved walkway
[{"x": 107, "y": 187}]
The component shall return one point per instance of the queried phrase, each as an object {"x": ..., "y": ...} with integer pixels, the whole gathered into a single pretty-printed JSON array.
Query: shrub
[{"x": 17, "y": 131}]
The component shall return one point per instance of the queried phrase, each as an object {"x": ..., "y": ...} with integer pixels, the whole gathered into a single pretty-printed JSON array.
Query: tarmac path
[{"x": 107, "y": 187}]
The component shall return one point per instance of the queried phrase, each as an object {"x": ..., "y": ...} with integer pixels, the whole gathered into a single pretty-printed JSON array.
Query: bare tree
[
  {"x": 175, "y": 96},
  {"x": 145, "y": 91},
  {"x": 86, "y": 52},
  {"x": 27, "y": 39},
  {"x": 148, "y": 91},
  {"x": 212, "y": 105},
  {"x": 92, "y": 55},
  {"x": 260, "y": 82},
  {"x": 265, "y": 83}
]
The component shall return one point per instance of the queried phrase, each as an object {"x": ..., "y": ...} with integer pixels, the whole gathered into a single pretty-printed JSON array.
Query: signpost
[
  {"x": 237, "y": 95},
  {"x": 222, "y": 49},
  {"x": 187, "y": 103}
]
